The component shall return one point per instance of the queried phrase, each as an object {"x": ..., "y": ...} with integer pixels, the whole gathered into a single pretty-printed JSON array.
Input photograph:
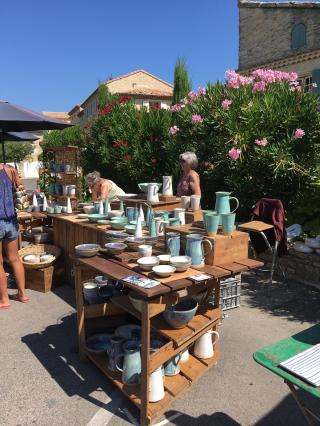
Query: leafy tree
[
  {"x": 67, "y": 136},
  {"x": 18, "y": 151},
  {"x": 182, "y": 84}
]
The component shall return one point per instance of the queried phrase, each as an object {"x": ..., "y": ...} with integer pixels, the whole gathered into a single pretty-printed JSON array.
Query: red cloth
[{"x": 272, "y": 212}]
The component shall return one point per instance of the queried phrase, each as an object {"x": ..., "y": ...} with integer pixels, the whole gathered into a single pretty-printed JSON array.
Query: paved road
[{"x": 43, "y": 382}]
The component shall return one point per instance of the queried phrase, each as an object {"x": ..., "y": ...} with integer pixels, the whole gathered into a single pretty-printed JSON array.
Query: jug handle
[
  {"x": 121, "y": 355},
  {"x": 169, "y": 242},
  {"x": 210, "y": 244},
  {"x": 217, "y": 334},
  {"x": 234, "y": 198}
]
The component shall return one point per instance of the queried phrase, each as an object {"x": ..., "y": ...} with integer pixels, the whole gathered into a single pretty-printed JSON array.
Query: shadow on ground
[
  {"x": 292, "y": 300},
  {"x": 56, "y": 348},
  {"x": 216, "y": 419}
]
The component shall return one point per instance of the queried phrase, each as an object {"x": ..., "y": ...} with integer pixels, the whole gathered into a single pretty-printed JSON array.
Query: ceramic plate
[{"x": 129, "y": 331}]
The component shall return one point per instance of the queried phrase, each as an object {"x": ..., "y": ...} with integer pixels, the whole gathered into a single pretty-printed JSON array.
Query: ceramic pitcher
[
  {"x": 114, "y": 351},
  {"x": 167, "y": 185},
  {"x": 203, "y": 347},
  {"x": 131, "y": 363},
  {"x": 156, "y": 388},
  {"x": 173, "y": 243},
  {"x": 152, "y": 228},
  {"x": 194, "y": 248},
  {"x": 223, "y": 203},
  {"x": 153, "y": 195},
  {"x": 149, "y": 215}
]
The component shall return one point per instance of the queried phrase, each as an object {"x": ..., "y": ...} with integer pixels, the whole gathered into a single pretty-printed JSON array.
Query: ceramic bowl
[
  {"x": 181, "y": 263},
  {"x": 164, "y": 270},
  {"x": 200, "y": 296},
  {"x": 151, "y": 241},
  {"x": 136, "y": 300},
  {"x": 84, "y": 204},
  {"x": 147, "y": 263},
  {"x": 128, "y": 332},
  {"x": 99, "y": 343},
  {"x": 134, "y": 242},
  {"x": 87, "y": 250},
  {"x": 115, "y": 248},
  {"x": 93, "y": 218},
  {"x": 134, "y": 222},
  {"x": 180, "y": 314},
  {"x": 46, "y": 258},
  {"x": 89, "y": 209},
  {"x": 126, "y": 196},
  {"x": 313, "y": 243},
  {"x": 82, "y": 216},
  {"x": 144, "y": 186},
  {"x": 103, "y": 222},
  {"x": 164, "y": 259},
  {"x": 119, "y": 219},
  {"x": 131, "y": 229},
  {"x": 117, "y": 225},
  {"x": 115, "y": 213},
  {"x": 31, "y": 258}
]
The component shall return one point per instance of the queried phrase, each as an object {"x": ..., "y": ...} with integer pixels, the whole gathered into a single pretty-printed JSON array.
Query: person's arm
[
  {"x": 94, "y": 194},
  {"x": 105, "y": 189},
  {"x": 195, "y": 184}
]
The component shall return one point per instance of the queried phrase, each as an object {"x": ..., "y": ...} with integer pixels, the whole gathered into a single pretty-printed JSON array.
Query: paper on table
[
  {"x": 305, "y": 365},
  {"x": 201, "y": 277},
  {"x": 141, "y": 281}
]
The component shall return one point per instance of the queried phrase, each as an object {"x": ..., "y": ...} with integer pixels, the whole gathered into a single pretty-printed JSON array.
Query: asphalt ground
[{"x": 43, "y": 382}]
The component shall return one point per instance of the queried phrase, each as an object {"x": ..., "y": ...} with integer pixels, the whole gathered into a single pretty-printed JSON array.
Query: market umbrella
[
  {"x": 15, "y": 118},
  {"x": 20, "y": 136}
]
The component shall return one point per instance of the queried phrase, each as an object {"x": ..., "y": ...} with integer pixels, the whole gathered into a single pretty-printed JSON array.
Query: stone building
[
  {"x": 281, "y": 35},
  {"x": 144, "y": 88}
]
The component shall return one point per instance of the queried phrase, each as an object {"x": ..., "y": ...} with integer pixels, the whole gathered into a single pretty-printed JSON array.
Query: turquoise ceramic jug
[
  {"x": 194, "y": 248},
  {"x": 131, "y": 363},
  {"x": 223, "y": 203},
  {"x": 152, "y": 228}
]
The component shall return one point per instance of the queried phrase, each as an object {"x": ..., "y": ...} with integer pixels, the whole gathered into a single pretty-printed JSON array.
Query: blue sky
[{"x": 54, "y": 53}]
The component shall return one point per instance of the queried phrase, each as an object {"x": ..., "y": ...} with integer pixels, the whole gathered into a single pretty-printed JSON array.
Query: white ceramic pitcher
[
  {"x": 153, "y": 195},
  {"x": 167, "y": 185},
  {"x": 156, "y": 388},
  {"x": 203, "y": 347}
]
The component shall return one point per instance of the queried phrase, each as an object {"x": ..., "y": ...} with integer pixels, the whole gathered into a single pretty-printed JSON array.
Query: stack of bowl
[
  {"x": 133, "y": 243},
  {"x": 148, "y": 262},
  {"x": 118, "y": 223},
  {"x": 181, "y": 263},
  {"x": 116, "y": 236}
]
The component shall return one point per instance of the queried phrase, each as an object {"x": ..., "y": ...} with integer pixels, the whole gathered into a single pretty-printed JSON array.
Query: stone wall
[
  {"x": 265, "y": 30},
  {"x": 301, "y": 267}
]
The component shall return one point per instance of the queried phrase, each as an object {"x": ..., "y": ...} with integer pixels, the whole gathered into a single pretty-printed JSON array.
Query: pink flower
[
  {"x": 196, "y": 118},
  {"x": 234, "y": 153},
  {"x": 173, "y": 130},
  {"x": 259, "y": 86},
  {"x": 298, "y": 134},
  {"x": 201, "y": 91},
  {"x": 176, "y": 108},
  {"x": 226, "y": 104},
  {"x": 192, "y": 96},
  {"x": 261, "y": 142}
]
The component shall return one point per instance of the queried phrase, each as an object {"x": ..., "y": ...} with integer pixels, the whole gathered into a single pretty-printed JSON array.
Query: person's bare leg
[
  {"x": 4, "y": 298},
  {"x": 11, "y": 248}
]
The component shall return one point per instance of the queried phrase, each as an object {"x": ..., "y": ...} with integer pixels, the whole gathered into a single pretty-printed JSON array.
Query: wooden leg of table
[
  {"x": 80, "y": 312},
  {"x": 309, "y": 416},
  {"x": 145, "y": 349}
]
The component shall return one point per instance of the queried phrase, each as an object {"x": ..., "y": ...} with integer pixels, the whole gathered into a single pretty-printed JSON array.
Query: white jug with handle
[
  {"x": 203, "y": 347},
  {"x": 167, "y": 185},
  {"x": 153, "y": 195}
]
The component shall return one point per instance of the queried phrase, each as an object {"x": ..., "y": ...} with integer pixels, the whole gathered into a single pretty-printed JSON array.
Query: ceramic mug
[
  {"x": 130, "y": 213},
  {"x": 159, "y": 225},
  {"x": 185, "y": 201},
  {"x": 90, "y": 292},
  {"x": 171, "y": 367},
  {"x": 163, "y": 213},
  {"x": 181, "y": 215},
  {"x": 145, "y": 250},
  {"x": 50, "y": 209},
  {"x": 195, "y": 202},
  {"x": 211, "y": 223},
  {"x": 228, "y": 221},
  {"x": 203, "y": 347},
  {"x": 174, "y": 221},
  {"x": 57, "y": 209}
]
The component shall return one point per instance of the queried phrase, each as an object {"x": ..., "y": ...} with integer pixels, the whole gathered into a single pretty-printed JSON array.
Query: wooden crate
[
  {"x": 193, "y": 216},
  {"x": 226, "y": 248},
  {"x": 39, "y": 279}
]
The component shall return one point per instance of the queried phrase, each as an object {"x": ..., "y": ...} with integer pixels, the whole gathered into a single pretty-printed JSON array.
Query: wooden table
[
  {"x": 169, "y": 204},
  {"x": 271, "y": 356}
]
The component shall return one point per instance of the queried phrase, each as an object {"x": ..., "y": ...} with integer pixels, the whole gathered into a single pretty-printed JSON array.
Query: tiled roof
[
  {"x": 290, "y": 4},
  {"x": 136, "y": 72},
  {"x": 289, "y": 60},
  {"x": 64, "y": 116}
]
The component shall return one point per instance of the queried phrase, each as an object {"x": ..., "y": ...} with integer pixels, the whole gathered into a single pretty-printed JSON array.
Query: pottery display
[
  {"x": 130, "y": 229},
  {"x": 185, "y": 355},
  {"x": 167, "y": 185},
  {"x": 145, "y": 250},
  {"x": 87, "y": 250},
  {"x": 173, "y": 243},
  {"x": 116, "y": 213},
  {"x": 222, "y": 205},
  {"x": 164, "y": 259},
  {"x": 147, "y": 263},
  {"x": 203, "y": 347},
  {"x": 194, "y": 248},
  {"x": 159, "y": 224},
  {"x": 211, "y": 222},
  {"x": 180, "y": 214},
  {"x": 181, "y": 263},
  {"x": 115, "y": 248},
  {"x": 151, "y": 241},
  {"x": 180, "y": 314},
  {"x": 164, "y": 270},
  {"x": 89, "y": 209},
  {"x": 228, "y": 221},
  {"x": 133, "y": 243},
  {"x": 82, "y": 216},
  {"x": 99, "y": 343},
  {"x": 152, "y": 195},
  {"x": 93, "y": 218},
  {"x": 131, "y": 369},
  {"x": 130, "y": 213}
]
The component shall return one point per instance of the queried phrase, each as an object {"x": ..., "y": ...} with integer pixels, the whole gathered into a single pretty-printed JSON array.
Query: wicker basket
[{"x": 36, "y": 249}]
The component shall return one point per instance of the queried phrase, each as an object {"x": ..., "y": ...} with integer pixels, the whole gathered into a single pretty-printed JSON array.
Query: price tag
[
  {"x": 141, "y": 281},
  {"x": 200, "y": 277}
]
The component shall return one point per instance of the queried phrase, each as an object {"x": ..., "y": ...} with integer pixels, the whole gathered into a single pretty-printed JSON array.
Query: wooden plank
[
  {"x": 255, "y": 226},
  {"x": 177, "y": 336},
  {"x": 193, "y": 368},
  {"x": 198, "y": 322},
  {"x": 116, "y": 271},
  {"x": 173, "y": 278},
  {"x": 100, "y": 310},
  {"x": 250, "y": 263},
  {"x": 179, "y": 284},
  {"x": 155, "y": 409},
  {"x": 213, "y": 314},
  {"x": 214, "y": 271},
  {"x": 145, "y": 352},
  {"x": 175, "y": 384},
  {"x": 233, "y": 267},
  {"x": 210, "y": 362}
]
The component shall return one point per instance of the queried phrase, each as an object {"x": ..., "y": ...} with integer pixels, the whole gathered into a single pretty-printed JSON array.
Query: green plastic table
[{"x": 270, "y": 357}]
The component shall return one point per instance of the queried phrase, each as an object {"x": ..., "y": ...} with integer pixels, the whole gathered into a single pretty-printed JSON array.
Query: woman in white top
[{"x": 102, "y": 188}]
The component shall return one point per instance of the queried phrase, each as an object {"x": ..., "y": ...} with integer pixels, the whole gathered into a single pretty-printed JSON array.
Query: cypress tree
[{"x": 182, "y": 84}]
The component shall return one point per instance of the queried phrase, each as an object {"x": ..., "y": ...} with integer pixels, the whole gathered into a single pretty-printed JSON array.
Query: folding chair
[{"x": 267, "y": 231}]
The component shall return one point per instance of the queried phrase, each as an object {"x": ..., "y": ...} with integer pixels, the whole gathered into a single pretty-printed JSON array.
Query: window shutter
[
  {"x": 316, "y": 79},
  {"x": 298, "y": 36}
]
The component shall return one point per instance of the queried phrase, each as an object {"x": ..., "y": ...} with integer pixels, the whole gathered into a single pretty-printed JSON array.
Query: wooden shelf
[{"x": 100, "y": 310}]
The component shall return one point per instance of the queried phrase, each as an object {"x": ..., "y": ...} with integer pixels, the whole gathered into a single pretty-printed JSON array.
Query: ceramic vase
[{"x": 69, "y": 208}]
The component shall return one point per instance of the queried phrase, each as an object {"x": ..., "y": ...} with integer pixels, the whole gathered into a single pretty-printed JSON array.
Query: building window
[
  {"x": 298, "y": 36},
  {"x": 306, "y": 83}
]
